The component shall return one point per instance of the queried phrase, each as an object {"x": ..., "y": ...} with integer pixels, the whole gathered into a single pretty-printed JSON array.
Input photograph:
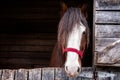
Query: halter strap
[{"x": 80, "y": 53}]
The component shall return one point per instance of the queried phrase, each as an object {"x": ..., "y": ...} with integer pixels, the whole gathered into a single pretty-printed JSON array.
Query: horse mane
[{"x": 71, "y": 17}]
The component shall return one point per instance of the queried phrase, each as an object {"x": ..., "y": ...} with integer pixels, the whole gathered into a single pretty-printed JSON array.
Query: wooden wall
[
  {"x": 28, "y": 32},
  {"x": 107, "y": 32},
  {"x": 57, "y": 74}
]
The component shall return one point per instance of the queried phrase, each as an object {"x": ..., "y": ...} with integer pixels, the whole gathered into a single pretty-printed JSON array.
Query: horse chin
[
  {"x": 73, "y": 70},
  {"x": 73, "y": 75}
]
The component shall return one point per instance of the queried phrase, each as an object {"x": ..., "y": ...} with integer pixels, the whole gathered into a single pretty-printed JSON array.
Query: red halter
[{"x": 80, "y": 53}]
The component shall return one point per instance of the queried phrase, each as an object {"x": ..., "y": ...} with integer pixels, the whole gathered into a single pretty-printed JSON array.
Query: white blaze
[{"x": 74, "y": 41}]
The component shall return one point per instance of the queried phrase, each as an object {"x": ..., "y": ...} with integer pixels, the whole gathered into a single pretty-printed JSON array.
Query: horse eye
[{"x": 84, "y": 32}]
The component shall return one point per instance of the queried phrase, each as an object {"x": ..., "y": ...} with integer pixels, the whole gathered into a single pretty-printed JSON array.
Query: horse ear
[
  {"x": 63, "y": 8},
  {"x": 84, "y": 8}
]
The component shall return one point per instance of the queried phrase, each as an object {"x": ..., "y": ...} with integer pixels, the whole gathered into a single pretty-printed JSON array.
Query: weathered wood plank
[
  {"x": 60, "y": 74},
  {"x": 108, "y": 73},
  {"x": 31, "y": 16},
  {"x": 108, "y": 65},
  {"x": 86, "y": 74},
  {"x": 117, "y": 75},
  {"x": 23, "y": 61},
  {"x": 21, "y": 74},
  {"x": 85, "y": 79},
  {"x": 108, "y": 51},
  {"x": 48, "y": 74},
  {"x": 27, "y": 42},
  {"x": 35, "y": 74},
  {"x": 109, "y": 1},
  {"x": 29, "y": 36},
  {"x": 107, "y": 31},
  {"x": 101, "y": 43},
  {"x": 8, "y": 74},
  {"x": 26, "y": 48},
  {"x": 107, "y": 4},
  {"x": 18, "y": 66},
  {"x": 31, "y": 10},
  {"x": 1, "y": 74},
  {"x": 111, "y": 56},
  {"x": 105, "y": 75},
  {"x": 107, "y": 17},
  {"x": 21, "y": 4},
  {"x": 26, "y": 55}
]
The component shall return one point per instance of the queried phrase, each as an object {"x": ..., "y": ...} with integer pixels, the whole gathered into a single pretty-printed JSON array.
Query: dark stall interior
[{"x": 28, "y": 32}]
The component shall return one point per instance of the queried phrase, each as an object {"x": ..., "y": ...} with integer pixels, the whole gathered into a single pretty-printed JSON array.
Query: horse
[{"x": 72, "y": 41}]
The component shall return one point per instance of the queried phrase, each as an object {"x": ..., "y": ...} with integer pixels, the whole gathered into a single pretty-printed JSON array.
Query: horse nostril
[{"x": 78, "y": 70}]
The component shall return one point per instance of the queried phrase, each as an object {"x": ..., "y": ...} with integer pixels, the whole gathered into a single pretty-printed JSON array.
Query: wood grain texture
[
  {"x": 101, "y": 43},
  {"x": 35, "y": 74},
  {"x": 1, "y": 73},
  {"x": 21, "y": 74},
  {"x": 29, "y": 10},
  {"x": 20, "y": 50},
  {"x": 26, "y": 48},
  {"x": 8, "y": 74},
  {"x": 48, "y": 74},
  {"x": 60, "y": 74},
  {"x": 33, "y": 16},
  {"x": 29, "y": 16},
  {"x": 39, "y": 36},
  {"x": 29, "y": 42},
  {"x": 109, "y": 1},
  {"x": 30, "y": 3},
  {"x": 107, "y": 31},
  {"x": 86, "y": 74},
  {"x": 104, "y": 36},
  {"x": 28, "y": 32},
  {"x": 57, "y": 74},
  {"x": 26, "y": 55},
  {"x": 17, "y": 61},
  {"x": 105, "y": 75},
  {"x": 107, "y": 5},
  {"x": 117, "y": 74},
  {"x": 107, "y": 17},
  {"x": 111, "y": 56}
]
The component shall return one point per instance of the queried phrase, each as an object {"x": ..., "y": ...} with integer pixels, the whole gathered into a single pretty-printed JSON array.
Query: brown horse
[{"x": 73, "y": 39}]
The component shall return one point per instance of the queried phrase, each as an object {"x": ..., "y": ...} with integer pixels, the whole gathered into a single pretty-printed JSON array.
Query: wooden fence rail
[{"x": 53, "y": 74}]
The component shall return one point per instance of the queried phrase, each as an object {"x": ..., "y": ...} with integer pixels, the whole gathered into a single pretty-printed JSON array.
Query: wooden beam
[
  {"x": 26, "y": 48},
  {"x": 21, "y": 74},
  {"x": 23, "y": 61},
  {"x": 107, "y": 17},
  {"x": 107, "y": 31},
  {"x": 110, "y": 46},
  {"x": 101, "y": 43},
  {"x": 107, "y": 5},
  {"x": 8, "y": 74},
  {"x": 26, "y": 55},
  {"x": 110, "y": 54},
  {"x": 44, "y": 36},
  {"x": 58, "y": 74},
  {"x": 35, "y": 74},
  {"x": 48, "y": 74},
  {"x": 27, "y": 42}
]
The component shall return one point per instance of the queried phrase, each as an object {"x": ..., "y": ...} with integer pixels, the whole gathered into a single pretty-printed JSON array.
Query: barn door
[{"x": 107, "y": 32}]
